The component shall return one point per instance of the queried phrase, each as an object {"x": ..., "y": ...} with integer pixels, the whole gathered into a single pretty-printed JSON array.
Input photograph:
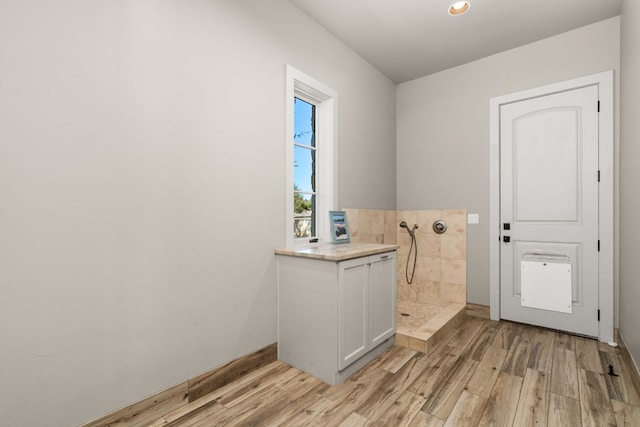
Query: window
[
  {"x": 310, "y": 144},
  {"x": 304, "y": 169}
]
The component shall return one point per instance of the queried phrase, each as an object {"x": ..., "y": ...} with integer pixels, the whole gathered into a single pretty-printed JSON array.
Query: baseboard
[
  {"x": 219, "y": 377},
  {"x": 628, "y": 359},
  {"x": 188, "y": 391},
  {"x": 477, "y": 310}
]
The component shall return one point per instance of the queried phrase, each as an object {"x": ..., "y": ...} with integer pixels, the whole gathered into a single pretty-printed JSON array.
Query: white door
[{"x": 549, "y": 211}]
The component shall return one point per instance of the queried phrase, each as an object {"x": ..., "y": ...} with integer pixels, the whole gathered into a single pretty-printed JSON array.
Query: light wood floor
[{"x": 488, "y": 374}]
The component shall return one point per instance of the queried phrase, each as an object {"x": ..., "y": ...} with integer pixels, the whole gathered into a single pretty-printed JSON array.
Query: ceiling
[{"x": 407, "y": 39}]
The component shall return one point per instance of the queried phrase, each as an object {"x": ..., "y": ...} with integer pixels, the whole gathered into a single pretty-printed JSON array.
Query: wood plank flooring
[{"x": 487, "y": 374}]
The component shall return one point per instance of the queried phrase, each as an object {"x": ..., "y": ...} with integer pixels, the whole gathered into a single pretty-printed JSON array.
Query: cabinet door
[
  {"x": 382, "y": 297},
  {"x": 353, "y": 301}
]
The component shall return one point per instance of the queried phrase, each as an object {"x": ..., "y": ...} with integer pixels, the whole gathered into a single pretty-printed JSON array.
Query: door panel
[
  {"x": 549, "y": 199},
  {"x": 353, "y": 329},
  {"x": 545, "y": 158},
  {"x": 382, "y": 290}
]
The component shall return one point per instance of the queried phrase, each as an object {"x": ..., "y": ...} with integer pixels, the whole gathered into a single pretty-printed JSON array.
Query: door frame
[{"x": 604, "y": 81}]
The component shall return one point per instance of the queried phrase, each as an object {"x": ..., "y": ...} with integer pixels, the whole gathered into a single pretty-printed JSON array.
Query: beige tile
[
  {"x": 401, "y": 271},
  {"x": 353, "y": 216},
  {"x": 417, "y": 344},
  {"x": 359, "y": 239},
  {"x": 404, "y": 240},
  {"x": 456, "y": 309},
  {"x": 429, "y": 244},
  {"x": 425, "y": 220},
  {"x": 430, "y": 310},
  {"x": 360, "y": 222},
  {"x": 403, "y": 329},
  {"x": 402, "y": 340},
  {"x": 402, "y": 268},
  {"x": 427, "y": 324},
  {"x": 377, "y": 221},
  {"x": 405, "y": 291},
  {"x": 451, "y": 293},
  {"x": 411, "y": 307},
  {"x": 439, "y": 337},
  {"x": 390, "y": 238},
  {"x": 454, "y": 246},
  {"x": 419, "y": 284},
  {"x": 433, "y": 325},
  {"x": 419, "y": 315},
  {"x": 461, "y": 316},
  {"x": 428, "y": 268},
  {"x": 456, "y": 221},
  {"x": 454, "y": 271},
  {"x": 407, "y": 325},
  {"x": 428, "y": 292},
  {"x": 368, "y": 238},
  {"x": 390, "y": 222},
  {"x": 410, "y": 217},
  {"x": 353, "y": 219},
  {"x": 440, "y": 320},
  {"x": 423, "y": 332}
]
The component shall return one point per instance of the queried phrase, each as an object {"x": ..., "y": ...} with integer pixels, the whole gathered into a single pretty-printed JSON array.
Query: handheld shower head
[
  {"x": 404, "y": 224},
  {"x": 413, "y": 249}
]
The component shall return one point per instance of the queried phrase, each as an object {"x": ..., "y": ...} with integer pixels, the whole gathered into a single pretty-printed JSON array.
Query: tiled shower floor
[{"x": 421, "y": 326}]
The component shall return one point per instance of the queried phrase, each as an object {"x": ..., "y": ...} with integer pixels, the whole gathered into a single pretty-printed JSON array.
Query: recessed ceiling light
[{"x": 459, "y": 7}]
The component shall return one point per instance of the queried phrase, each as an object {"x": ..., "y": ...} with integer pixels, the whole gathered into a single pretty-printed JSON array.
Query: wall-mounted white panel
[
  {"x": 551, "y": 252},
  {"x": 546, "y": 286}
]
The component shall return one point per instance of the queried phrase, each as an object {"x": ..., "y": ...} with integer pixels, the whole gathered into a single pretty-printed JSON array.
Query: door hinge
[
  {"x": 598, "y": 245},
  {"x": 598, "y": 106},
  {"x": 598, "y": 315},
  {"x": 598, "y": 176}
]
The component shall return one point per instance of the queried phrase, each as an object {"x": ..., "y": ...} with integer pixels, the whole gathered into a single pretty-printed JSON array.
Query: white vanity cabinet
[{"x": 335, "y": 316}]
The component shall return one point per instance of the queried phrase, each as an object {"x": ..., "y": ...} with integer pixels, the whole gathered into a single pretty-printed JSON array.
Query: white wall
[
  {"x": 136, "y": 137},
  {"x": 630, "y": 177},
  {"x": 443, "y": 127}
]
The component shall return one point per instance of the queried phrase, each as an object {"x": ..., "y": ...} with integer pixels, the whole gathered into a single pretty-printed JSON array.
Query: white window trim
[{"x": 298, "y": 83}]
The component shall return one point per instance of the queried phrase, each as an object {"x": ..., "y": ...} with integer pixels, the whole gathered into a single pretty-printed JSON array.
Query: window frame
[{"x": 325, "y": 100}]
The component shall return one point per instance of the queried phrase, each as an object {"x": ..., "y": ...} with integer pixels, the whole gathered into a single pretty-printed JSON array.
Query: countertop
[{"x": 339, "y": 252}]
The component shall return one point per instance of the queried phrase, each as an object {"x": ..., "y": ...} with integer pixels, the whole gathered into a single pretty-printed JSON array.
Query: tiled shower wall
[
  {"x": 372, "y": 226},
  {"x": 441, "y": 269}
]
